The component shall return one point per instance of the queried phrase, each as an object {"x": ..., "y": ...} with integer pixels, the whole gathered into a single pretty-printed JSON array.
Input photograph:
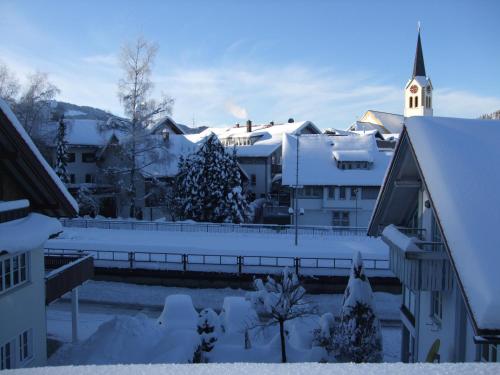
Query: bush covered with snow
[
  {"x": 357, "y": 337},
  {"x": 179, "y": 313}
]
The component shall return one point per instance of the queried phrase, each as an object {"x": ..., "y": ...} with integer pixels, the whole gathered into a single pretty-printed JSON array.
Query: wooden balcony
[{"x": 419, "y": 265}]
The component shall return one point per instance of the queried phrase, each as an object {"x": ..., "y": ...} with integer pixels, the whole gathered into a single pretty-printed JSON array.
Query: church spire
[{"x": 418, "y": 66}]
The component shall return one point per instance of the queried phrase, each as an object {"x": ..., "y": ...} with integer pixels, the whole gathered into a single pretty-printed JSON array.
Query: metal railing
[
  {"x": 213, "y": 227},
  {"x": 225, "y": 263},
  {"x": 413, "y": 232}
]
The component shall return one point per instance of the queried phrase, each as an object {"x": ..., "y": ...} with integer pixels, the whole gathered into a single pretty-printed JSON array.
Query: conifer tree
[
  {"x": 208, "y": 187},
  {"x": 61, "y": 152},
  {"x": 357, "y": 337}
]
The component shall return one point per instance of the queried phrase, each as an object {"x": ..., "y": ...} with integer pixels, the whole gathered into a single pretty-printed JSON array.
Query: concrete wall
[{"x": 23, "y": 308}]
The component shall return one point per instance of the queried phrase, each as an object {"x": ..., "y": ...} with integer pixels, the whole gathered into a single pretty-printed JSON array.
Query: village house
[
  {"x": 439, "y": 218},
  {"x": 30, "y": 192}
]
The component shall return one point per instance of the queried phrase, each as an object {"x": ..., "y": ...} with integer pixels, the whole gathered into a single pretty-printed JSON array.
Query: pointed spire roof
[{"x": 419, "y": 66}]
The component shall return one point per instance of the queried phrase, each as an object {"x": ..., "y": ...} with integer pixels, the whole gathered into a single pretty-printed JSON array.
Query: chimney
[
  {"x": 271, "y": 123},
  {"x": 290, "y": 120},
  {"x": 249, "y": 126},
  {"x": 238, "y": 125}
]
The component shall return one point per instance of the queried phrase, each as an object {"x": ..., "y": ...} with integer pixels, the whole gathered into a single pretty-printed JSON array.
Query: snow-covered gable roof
[
  {"x": 166, "y": 121},
  {"x": 318, "y": 160},
  {"x": 169, "y": 155},
  {"x": 44, "y": 186},
  {"x": 459, "y": 162},
  {"x": 391, "y": 122}
]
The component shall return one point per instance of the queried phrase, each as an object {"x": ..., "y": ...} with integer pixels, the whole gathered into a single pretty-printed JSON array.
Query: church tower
[{"x": 418, "y": 90}]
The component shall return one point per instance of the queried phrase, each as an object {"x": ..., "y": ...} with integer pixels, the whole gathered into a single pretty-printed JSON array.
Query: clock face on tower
[{"x": 413, "y": 89}]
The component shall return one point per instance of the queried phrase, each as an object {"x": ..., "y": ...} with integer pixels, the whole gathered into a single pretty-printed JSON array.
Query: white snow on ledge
[
  {"x": 270, "y": 369},
  {"x": 28, "y": 233},
  {"x": 13, "y": 205},
  {"x": 399, "y": 239}
]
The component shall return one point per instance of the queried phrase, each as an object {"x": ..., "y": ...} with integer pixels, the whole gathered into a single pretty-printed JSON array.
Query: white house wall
[
  {"x": 23, "y": 308},
  {"x": 261, "y": 168}
]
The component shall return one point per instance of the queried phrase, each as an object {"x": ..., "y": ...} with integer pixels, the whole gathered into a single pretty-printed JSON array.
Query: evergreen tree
[
  {"x": 86, "y": 202},
  {"x": 208, "y": 187},
  {"x": 61, "y": 152},
  {"x": 357, "y": 337}
]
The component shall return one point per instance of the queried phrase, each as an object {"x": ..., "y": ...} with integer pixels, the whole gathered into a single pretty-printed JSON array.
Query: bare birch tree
[
  {"x": 135, "y": 90},
  {"x": 9, "y": 85}
]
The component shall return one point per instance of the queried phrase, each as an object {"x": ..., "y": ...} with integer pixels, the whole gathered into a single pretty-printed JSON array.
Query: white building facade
[
  {"x": 336, "y": 179},
  {"x": 431, "y": 213}
]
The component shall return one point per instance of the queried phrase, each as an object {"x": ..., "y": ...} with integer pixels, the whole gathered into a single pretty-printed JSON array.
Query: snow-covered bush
[
  {"x": 208, "y": 186},
  {"x": 358, "y": 337},
  {"x": 324, "y": 333},
  {"x": 208, "y": 329}
]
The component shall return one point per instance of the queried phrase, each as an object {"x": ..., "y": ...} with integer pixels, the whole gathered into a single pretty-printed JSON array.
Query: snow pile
[
  {"x": 399, "y": 239},
  {"x": 126, "y": 339},
  {"x": 459, "y": 162},
  {"x": 28, "y": 233},
  {"x": 178, "y": 312},
  {"x": 236, "y": 317},
  {"x": 272, "y": 369}
]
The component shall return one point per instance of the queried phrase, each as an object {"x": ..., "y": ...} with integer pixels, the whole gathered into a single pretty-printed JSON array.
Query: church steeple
[
  {"x": 418, "y": 90},
  {"x": 419, "y": 66}
]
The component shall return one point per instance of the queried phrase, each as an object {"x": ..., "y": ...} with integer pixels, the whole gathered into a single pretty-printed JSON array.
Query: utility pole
[{"x": 296, "y": 195}]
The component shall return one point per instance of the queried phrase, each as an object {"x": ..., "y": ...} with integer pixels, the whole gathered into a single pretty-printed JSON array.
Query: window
[
  {"x": 489, "y": 353},
  {"x": 411, "y": 101},
  {"x": 331, "y": 192},
  {"x": 354, "y": 193},
  {"x": 89, "y": 179},
  {"x": 340, "y": 219},
  {"x": 253, "y": 179},
  {"x": 409, "y": 300},
  {"x": 342, "y": 192},
  {"x": 88, "y": 157},
  {"x": 13, "y": 271},
  {"x": 369, "y": 192},
  {"x": 311, "y": 192},
  {"x": 437, "y": 306},
  {"x": 6, "y": 359},
  {"x": 416, "y": 101},
  {"x": 70, "y": 157},
  {"x": 25, "y": 346},
  {"x": 72, "y": 178}
]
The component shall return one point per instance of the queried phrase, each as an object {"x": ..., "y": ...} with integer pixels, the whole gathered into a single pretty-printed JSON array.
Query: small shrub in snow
[
  {"x": 357, "y": 337},
  {"x": 324, "y": 333},
  {"x": 208, "y": 328},
  {"x": 282, "y": 299}
]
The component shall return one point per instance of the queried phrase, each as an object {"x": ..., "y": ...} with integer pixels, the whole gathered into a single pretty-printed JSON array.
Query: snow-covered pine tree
[
  {"x": 61, "y": 151},
  {"x": 357, "y": 337},
  {"x": 209, "y": 185},
  {"x": 87, "y": 204}
]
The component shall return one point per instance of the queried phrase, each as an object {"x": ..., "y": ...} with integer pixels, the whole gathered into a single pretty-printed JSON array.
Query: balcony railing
[
  {"x": 413, "y": 232},
  {"x": 420, "y": 265}
]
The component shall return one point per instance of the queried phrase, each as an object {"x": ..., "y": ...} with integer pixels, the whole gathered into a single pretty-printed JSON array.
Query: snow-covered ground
[
  {"x": 137, "y": 306},
  {"x": 271, "y": 369},
  {"x": 219, "y": 243}
]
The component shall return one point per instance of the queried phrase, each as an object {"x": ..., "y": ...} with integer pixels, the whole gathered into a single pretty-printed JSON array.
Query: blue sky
[{"x": 225, "y": 61}]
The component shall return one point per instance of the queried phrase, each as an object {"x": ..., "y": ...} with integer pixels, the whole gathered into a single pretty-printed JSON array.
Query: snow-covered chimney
[
  {"x": 237, "y": 125},
  {"x": 249, "y": 126},
  {"x": 271, "y": 123},
  {"x": 290, "y": 120}
]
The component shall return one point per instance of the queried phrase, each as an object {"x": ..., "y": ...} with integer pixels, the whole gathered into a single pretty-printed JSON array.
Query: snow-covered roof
[
  {"x": 13, "y": 205},
  {"x": 168, "y": 156},
  {"x": 28, "y": 233},
  {"x": 459, "y": 162},
  {"x": 80, "y": 132},
  {"x": 21, "y": 132},
  {"x": 318, "y": 160},
  {"x": 265, "y": 138},
  {"x": 390, "y": 122}
]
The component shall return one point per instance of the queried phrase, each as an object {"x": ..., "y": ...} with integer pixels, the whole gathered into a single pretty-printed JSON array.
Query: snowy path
[{"x": 219, "y": 243}]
